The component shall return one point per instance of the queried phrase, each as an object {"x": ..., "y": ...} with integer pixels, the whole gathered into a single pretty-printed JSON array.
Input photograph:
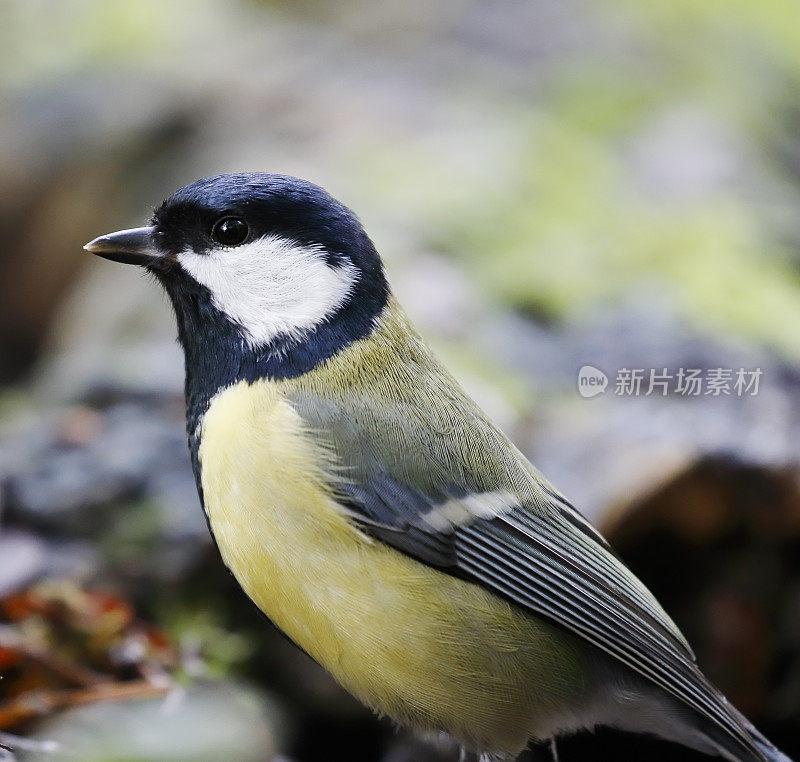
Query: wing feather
[
  {"x": 537, "y": 579},
  {"x": 536, "y": 559}
]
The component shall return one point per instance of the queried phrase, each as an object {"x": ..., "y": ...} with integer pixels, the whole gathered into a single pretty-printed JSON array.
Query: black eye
[{"x": 230, "y": 231}]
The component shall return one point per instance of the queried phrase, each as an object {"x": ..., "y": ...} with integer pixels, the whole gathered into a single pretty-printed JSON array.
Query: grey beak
[{"x": 131, "y": 247}]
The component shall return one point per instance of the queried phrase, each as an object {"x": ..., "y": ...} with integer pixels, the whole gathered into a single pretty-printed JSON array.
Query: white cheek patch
[{"x": 271, "y": 286}]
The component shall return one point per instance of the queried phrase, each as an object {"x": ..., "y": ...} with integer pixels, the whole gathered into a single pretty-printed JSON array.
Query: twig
[
  {"x": 38, "y": 703},
  {"x": 69, "y": 671}
]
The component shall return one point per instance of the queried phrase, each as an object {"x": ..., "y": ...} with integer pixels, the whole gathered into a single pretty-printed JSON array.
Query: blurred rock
[
  {"x": 607, "y": 449},
  {"x": 63, "y": 481},
  {"x": 207, "y": 723},
  {"x": 72, "y": 159},
  {"x": 118, "y": 475},
  {"x": 23, "y": 560},
  {"x": 27, "y": 557},
  {"x": 418, "y": 750}
]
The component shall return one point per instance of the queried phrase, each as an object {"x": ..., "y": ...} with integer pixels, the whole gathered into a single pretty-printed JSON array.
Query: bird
[{"x": 377, "y": 516}]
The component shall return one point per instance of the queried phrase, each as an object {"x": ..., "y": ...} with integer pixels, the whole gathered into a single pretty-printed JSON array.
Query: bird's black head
[
  {"x": 228, "y": 211},
  {"x": 269, "y": 275}
]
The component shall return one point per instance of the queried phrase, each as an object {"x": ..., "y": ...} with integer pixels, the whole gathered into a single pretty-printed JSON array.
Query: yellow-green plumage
[{"x": 419, "y": 645}]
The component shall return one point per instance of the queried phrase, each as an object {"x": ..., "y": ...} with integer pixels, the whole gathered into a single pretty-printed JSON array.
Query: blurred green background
[{"x": 551, "y": 185}]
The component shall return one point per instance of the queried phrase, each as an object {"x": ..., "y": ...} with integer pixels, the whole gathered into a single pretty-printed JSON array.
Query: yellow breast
[{"x": 414, "y": 643}]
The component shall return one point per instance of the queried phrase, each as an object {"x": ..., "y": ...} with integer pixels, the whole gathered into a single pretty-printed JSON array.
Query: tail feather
[
  {"x": 757, "y": 749},
  {"x": 698, "y": 731},
  {"x": 636, "y": 707},
  {"x": 771, "y": 754}
]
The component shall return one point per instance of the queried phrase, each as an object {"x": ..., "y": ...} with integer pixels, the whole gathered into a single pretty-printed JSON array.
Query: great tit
[{"x": 376, "y": 515}]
